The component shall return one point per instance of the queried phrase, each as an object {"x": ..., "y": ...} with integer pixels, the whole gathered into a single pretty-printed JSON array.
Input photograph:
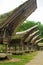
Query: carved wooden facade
[
  {"x": 12, "y": 23},
  {"x": 25, "y": 43}
]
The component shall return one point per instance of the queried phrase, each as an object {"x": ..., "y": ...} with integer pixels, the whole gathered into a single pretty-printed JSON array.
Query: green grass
[{"x": 24, "y": 59}]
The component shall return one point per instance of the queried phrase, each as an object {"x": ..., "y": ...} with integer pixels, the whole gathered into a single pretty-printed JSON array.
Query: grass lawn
[{"x": 24, "y": 59}]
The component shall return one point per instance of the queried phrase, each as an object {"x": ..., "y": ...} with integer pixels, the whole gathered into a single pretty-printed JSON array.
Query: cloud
[
  {"x": 37, "y": 15},
  {"x": 8, "y": 5}
]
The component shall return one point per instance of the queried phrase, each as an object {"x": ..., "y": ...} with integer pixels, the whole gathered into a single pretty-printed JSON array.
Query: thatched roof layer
[
  {"x": 28, "y": 30},
  {"x": 31, "y": 35},
  {"x": 34, "y": 38},
  {"x": 23, "y": 33},
  {"x": 37, "y": 41},
  {"x": 18, "y": 16}
]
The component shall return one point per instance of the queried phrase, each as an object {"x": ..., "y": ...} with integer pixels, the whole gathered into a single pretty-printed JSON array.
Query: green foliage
[
  {"x": 2, "y": 48},
  {"x": 24, "y": 59},
  {"x": 40, "y": 26},
  {"x": 26, "y": 25}
]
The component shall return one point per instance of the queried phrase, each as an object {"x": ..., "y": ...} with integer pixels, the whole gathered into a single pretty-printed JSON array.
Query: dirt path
[
  {"x": 12, "y": 60},
  {"x": 38, "y": 60}
]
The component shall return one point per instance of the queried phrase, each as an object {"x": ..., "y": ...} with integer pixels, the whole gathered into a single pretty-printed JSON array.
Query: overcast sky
[{"x": 8, "y": 5}]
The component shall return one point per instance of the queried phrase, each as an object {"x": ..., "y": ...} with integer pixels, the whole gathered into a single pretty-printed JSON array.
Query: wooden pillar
[
  {"x": 24, "y": 46},
  {"x": 33, "y": 47},
  {"x": 6, "y": 45},
  {"x": 15, "y": 46},
  {"x": 28, "y": 46},
  {"x": 20, "y": 47}
]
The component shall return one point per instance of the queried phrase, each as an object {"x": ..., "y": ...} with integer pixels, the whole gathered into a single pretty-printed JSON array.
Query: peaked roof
[
  {"x": 34, "y": 38},
  {"x": 31, "y": 35},
  {"x": 28, "y": 30},
  {"x": 37, "y": 41}
]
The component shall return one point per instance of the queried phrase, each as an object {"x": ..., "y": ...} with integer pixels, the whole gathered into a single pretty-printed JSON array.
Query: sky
[{"x": 8, "y": 5}]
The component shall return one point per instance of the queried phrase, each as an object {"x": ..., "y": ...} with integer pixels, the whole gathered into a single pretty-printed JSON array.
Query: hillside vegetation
[{"x": 28, "y": 24}]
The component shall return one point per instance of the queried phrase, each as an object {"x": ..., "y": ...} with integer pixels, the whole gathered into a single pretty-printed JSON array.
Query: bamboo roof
[
  {"x": 34, "y": 38},
  {"x": 28, "y": 30},
  {"x": 37, "y": 41},
  {"x": 23, "y": 33},
  {"x": 31, "y": 35},
  {"x": 40, "y": 44},
  {"x": 19, "y": 15}
]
